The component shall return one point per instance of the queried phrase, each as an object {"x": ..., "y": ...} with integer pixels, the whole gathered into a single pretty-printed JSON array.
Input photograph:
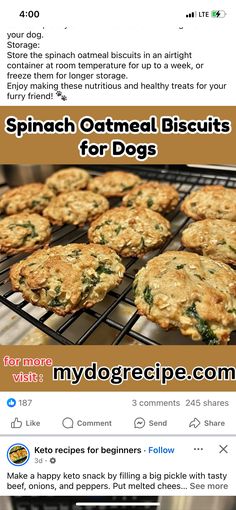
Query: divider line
[{"x": 118, "y": 504}]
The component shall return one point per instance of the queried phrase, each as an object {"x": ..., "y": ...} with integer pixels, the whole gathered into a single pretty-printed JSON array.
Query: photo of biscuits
[
  {"x": 75, "y": 208},
  {"x": 158, "y": 196},
  {"x": 187, "y": 291},
  {"x": 68, "y": 179},
  {"x": 213, "y": 238},
  {"x": 64, "y": 279},
  {"x": 114, "y": 184},
  {"x": 64, "y": 295},
  {"x": 32, "y": 197},
  {"x": 131, "y": 232},
  {"x": 23, "y": 232},
  {"x": 215, "y": 202}
]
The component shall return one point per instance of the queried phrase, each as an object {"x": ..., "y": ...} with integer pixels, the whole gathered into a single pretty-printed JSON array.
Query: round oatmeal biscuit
[
  {"x": 68, "y": 179},
  {"x": 158, "y": 196},
  {"x": 130, "y": 232},
  {"x": 213, "y": 238},
  {"x": 75, "y": 207},
  {"x": 32, "y": 197},
  {"x": 114, "y": 184},
  {"x": 187, "y": 291},
  {"x": 64, "y": 279},
  {"x": 215, "y": 202},
  {"x": 23, "y": 232}
]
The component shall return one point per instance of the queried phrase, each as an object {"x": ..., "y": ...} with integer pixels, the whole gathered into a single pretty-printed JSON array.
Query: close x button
[{"x": 223, "y": 449}]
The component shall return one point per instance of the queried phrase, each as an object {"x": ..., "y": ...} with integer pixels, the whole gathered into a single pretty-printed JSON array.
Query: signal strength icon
[{"x": 191, "y": 14}]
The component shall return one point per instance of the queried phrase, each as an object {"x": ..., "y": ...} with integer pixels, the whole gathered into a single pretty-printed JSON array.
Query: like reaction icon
[
  {"x": 16, "y": 424},
  {"x": 11, "y": 402}
]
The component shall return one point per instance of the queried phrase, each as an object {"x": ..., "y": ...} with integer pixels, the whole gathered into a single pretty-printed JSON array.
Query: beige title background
[{"x": 173, "y": 149}]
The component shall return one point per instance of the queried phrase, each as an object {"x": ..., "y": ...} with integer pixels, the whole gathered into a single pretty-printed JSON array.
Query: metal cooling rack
[{"x": 115, "y": 320}]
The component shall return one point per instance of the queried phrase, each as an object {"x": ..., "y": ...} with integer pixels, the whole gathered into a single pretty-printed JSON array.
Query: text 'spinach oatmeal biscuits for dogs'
[
  {"x": 214, "y": 238},
  {"x": 75, "y": 207},
  {"x": 130, "y": 232},
  {"x": 68, "y": 179},
  {"x": 23, "y": 232},
  {"x": 66, "y": 278},
  {"x": 158, "y": 196},
  {"x": 214, "y": 202},
  {"x": 32, "y": 197},
  {"x": 114, "y": 184},
  {"x": 186, "y": 291}
]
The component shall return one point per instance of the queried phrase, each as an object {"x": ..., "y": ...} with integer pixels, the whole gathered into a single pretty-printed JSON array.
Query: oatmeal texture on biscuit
[
  {"x": 215, "y": 202},
  {"x": 130, "y": 231},
  {"x": 32, "y": 197},
  {"x": 23, "y": 232},
  {"x": 64, "y": 279},
  {"x": 114, "y": 184},
  {"x": 187, "y": 291},
  {"x": 75, "y": 207},
  {"x": 68, "y": 179},
  {"x": 213, "y": 238},
  {"x": 158, "y": 196}
]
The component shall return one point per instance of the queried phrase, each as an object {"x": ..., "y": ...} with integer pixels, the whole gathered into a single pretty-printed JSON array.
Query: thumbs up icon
[{"x": 16, "y": 424}]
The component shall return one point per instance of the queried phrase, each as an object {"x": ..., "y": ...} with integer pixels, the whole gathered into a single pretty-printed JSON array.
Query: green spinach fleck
[
  {"x": 103, "y": 268},
  {"x": 28, "y": 235},
  {"x": 126, "y": 188},
  {"x": 180, "y": 266},
  {"x": 56, "y": 302},
  {"x": 150, "y": 202},
  {"x": 107, "y": 222},
  {"x": 199, "y": 276},
  {"x": 207, "y": 334},
  {"x": 142, "y": 243},
  {"x": 30, "y": 225},
  {"x": 34, "y": 203},
  {"x": 90, "y": 282},
  {"x": 102, "y": 239},
  {"x": 135, "y": 284},
  {"x": 233, "y": 249},
  {"x": 147, "y": 294},
  {"x": 118, "y": 229}
]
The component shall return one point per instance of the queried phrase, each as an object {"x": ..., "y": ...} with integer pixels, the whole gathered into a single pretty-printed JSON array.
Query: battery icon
[{"x": 218, "y": 14}]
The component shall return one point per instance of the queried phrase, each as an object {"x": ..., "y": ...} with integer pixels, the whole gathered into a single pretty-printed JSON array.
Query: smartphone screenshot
[{"x": 117, "y": 255}]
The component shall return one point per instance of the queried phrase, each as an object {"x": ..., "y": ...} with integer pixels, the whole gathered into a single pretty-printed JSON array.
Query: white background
[
  {"x": 195, "y": 450},
  {"x": 120, "y": 409},
  {"x": 134, "y": 26}
]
